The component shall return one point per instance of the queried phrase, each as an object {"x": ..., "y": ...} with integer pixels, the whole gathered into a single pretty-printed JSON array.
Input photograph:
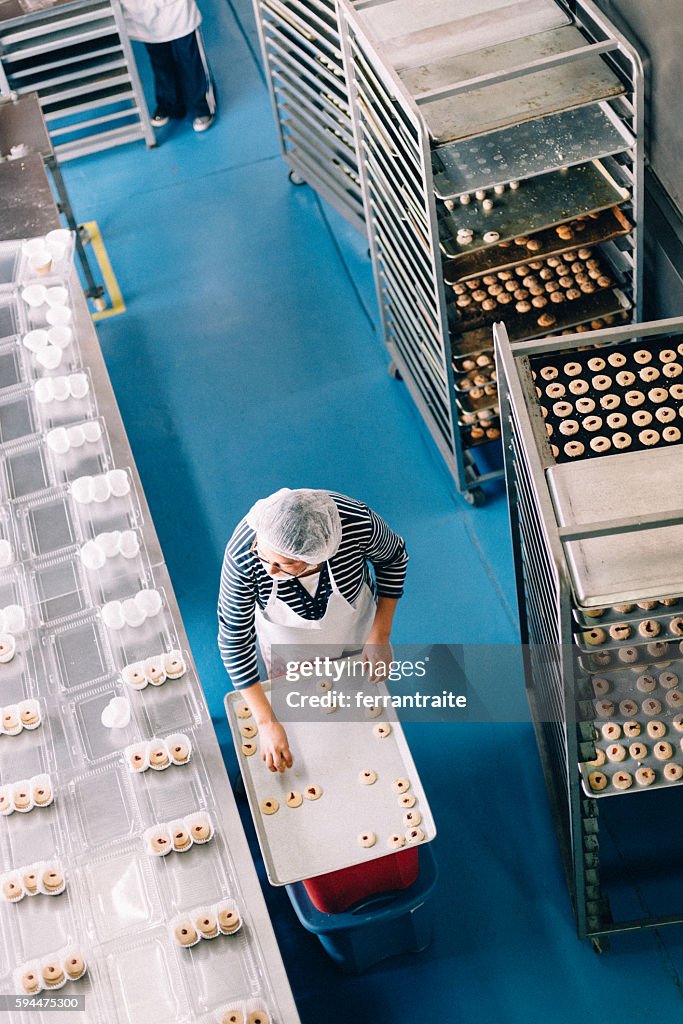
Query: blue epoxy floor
[{"x": 247, "y": 360}]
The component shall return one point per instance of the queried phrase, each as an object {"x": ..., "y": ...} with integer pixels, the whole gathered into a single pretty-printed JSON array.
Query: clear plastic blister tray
[
  {"x": 81, "y": 449},
  {"x": 57, "y": 587},
  {"x": 172, "y": 705},
  {"x": 23, "y": 676},
  {"x": 39, "y": 835},
  {"x": 18, "y": 416},
  {"x": 106, "y": 502},
  {"x": 36, "y": 929},
  {"x": 119, "y": 892},
  {"x": 195, "y": 876},
  {"x": 79, "y": 653},
  {"x": 10, "y": 254},
  {"x": 155, "y": 632},
  {"x": 12, "y": 318},
  {"x": 53, "y": 253},
  {"x": 111, "y": 573},
  {"x": 45, "y": 523},
  {"x": 146, "y": 981},
  {"x": 30, "y": 752},
  {"x": 51, "y": 351},
  {"x": 101, "y": 806},
  {"x": 173, "y": 792},
  {"x": 65, "y": 399},
  {"x": 95, "y": 741},
  {"x": 15, "y": 365},
  {"x": 27, "y": 468}
]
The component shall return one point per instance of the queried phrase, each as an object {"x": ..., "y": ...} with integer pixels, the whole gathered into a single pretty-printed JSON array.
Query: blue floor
[{"x": 248, "y": 359}]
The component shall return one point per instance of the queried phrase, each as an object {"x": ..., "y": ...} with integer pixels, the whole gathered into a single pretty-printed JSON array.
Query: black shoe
[{"x": 159, "y": 119}]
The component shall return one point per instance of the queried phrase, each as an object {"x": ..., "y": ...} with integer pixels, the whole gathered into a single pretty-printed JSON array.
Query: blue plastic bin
[{"x": 382, "y": 926}]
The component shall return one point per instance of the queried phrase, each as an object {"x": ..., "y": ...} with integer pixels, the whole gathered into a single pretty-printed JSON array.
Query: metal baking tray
[
  {"x": 648, "y": 406},
  {"x": 322, "y": 835},
  {"x": 606, "y": 225},
  {"x": 524, "y": 326},
  {"x": 628, "y": 566},
  {"x": 541, "y": 202},
  {"x": 663, "y": 614},
  {"x": 623, "y": 687},
  {"x": 527, "y": 150}
]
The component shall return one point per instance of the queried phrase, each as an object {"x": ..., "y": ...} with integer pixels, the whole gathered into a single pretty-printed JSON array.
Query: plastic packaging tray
[
  {"x": 12, "y": 319},
  {"x": 78, "y": 653},
  {"x": 15, "y": 366},
  {"x": 10, "y": 255},
  {"x": 322, "y": 835},
  {"x": 57, "y": 586},
  {"x": 55, "y": 412}
]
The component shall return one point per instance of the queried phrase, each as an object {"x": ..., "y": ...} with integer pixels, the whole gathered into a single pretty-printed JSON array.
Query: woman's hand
[
  {"x": 275, "y": 746},
  {"x": 377, "y": 652}
]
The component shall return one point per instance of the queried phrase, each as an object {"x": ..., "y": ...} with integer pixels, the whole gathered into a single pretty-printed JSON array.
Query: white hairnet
[{"x": 302, "y": 524}]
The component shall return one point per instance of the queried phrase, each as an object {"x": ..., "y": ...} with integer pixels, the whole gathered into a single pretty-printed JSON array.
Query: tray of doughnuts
[
  {"x": 664, "y": 611},
  {"x": 638, "y": 729},
  {"x": 610, "y": 400},
  {"x": 654, "y": 634}
]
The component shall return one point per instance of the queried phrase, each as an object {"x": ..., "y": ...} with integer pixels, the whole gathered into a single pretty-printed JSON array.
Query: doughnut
[
  {"x": 645, "y": 776},
  {"x": 601, "y": 444},
  {"x": 53, "y": 881},
  {"x": 620, "y": 631},
  {"x": 621, "y": 440},
  {"x": 228, "y": 920},
  {"x": 53, "y": 975},
  {"x": 638, "y": 751},
  {"x": 642, "y": 418},
  {"x": 629, "y": 655},
  {"x": 525, "y": 307},
  {"x": 667, "y": 355},
  {"x": 201, "y": 831},
  {"x": 647, "y": 606},
  {"x": 594, "y": 613},
  {"x": 632, "y": 729},
  {"x": 574, "y": 449},
  {"x": 185, "y": 934},
  {"x": 563, "y": 409},
  {"x": 381, "y": 730},
  {"x": 158, "y": 757},
  {"x": 248, "y": 730},
  {"x": 258, "y": 1017},
  {"x": 648, "y": 437},
  {"x": 651, "y": 707},
  {"x": 538, "y": 302},
  {"x": 615, "y": 752},
  {"x": 616, "y": 420},
  {"x": 232, "y": 1017},
  {"x": 634, "y": 398},
  {"x": 656, "y": 649},
  {"x": 414, "y": 835},
  {"x": 592, "y": 423},
  {"x": 569, "y": 427},
  {"x": 207, "y": 925},
  {"x": 313, "y": 792},
  {"x": 546, "y": 320},
  {"x": 676, "y": 392},
  {"x": 396, "y": 841},
  {"x": 656, "y": 730},
  {"x": 642, "y": 357},
  {"x": 181, "y": 839},
  {"x": 616, "y": 359},
  {"x": 30, "y": 881},
  {"x": 676, "y": 626},
  {"x": 10, "y": 722},
  {"x": 29, "y": 717},
  {"x": 75, "y": 966},
  {"x": 648, "y": 374},
  {"x": 367, "y": 839},
  {"x": 669, "y": 680},
  {"x": 658, "y": 395},
  {"x": 649, "y": 628},
  {"x": 572, "y": 369},
  {"x": 622, "y": 780},
  {"x": 479, "y": 295},
  {"x": 601, "y": 686},
  {"x": 270, "y": 806},
  {"x": 12, "y": 891},
  {"x": 601, "y": 382},
  {"x": 672, "y": 370},
  {"x": 625, "y": 378},
  {"x": 585, "y": 405},
  {"x": 412, "y": 818},
  {"x": 610, "y": 402},
  {"x": 596, "y": 364},
  {"x": 249, "y": 748},
  {"x": 628, "y": 708},
  {"x": 22, "y": 799},
  {"x": 665, "y": 414},
  {"x": 611, "y": 731},
  {"x": 180, "y": 753},
  {"x": 669, "y": 602},
  {"x": 573, "y": 294},
  {"x": 597, "y": 781},
  {"x": 646, "y": 684},
  {"x": 7, "y": 648},
  {"x": 599, "y": 758},
  {"x": 671, "y": 434},
  {"x": 243, "y": 711},
  {"x": 367, "y": 777},
  {"x": 674, "y": 699},
  {"x": 134, "y": 676},
  {"x": 672, "y": 772},
  {"x": 601, "y": 659},
  {"x": 663, "y": 750},
  {"x": 578, "y": 387},
  {"x": 406, "y": 800}
]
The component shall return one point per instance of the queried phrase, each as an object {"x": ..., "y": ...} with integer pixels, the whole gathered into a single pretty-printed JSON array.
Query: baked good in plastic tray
[{"x": 625, "y": 397}]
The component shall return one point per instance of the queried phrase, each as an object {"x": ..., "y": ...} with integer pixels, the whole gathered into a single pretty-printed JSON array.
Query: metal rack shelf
[
  {"x": 433, "y": 90},
  {"x": 567, "y": 564},
  {"x": 78, "y": 58},
  {"x": 304, "y": 66}
]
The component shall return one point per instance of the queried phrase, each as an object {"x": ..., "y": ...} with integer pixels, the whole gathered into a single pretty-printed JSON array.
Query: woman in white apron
[{"x": 303, "y": 540}]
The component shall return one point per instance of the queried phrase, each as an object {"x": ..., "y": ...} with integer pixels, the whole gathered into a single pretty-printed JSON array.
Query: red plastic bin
[{"x": 338, "y": 890}]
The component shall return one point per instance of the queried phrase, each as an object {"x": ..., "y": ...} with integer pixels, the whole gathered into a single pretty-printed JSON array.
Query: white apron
[{"x": 343, "y": 629}]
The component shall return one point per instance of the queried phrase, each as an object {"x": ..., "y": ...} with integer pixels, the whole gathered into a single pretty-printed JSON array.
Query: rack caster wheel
[
  {"x": 393, "y": 371},
  {"x": 600, "y": 944},
  {"x": 296, "y": 179},
  {"x": 475, "y": 497},
  {"x": 100, "y": 305},
  {"x": 83, "y": 234}
]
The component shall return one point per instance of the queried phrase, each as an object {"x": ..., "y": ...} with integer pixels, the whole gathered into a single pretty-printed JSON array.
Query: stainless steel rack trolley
[
  {"x": 596, "y": 528},
  {"x": 77, "y": 56},
  {"x": 496, "y": 145},
  {"x": 307, "y": 81}
]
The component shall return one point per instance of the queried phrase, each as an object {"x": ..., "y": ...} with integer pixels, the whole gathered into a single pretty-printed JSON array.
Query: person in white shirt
[{"x": 182, "y": 79}]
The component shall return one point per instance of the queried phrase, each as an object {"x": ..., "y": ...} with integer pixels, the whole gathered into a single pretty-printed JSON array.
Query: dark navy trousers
[{"x": 182, "y": 79}]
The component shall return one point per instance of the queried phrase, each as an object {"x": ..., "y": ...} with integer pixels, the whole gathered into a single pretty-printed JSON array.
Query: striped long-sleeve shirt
[{"x": 366, "y": 538}]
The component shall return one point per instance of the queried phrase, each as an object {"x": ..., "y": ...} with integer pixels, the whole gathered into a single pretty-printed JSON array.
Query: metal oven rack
[
  {"x": 420, "y": 90},
  {"x": 307, "y": 81},
  {"x": 551, "y": 593},
  {"x": 78, "y": 58}
]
